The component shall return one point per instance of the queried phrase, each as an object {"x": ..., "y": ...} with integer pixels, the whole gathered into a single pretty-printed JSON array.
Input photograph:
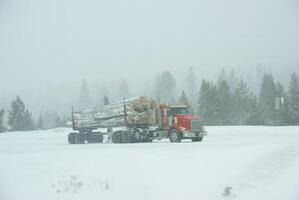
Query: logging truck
[{"x": 136, "y": 120}]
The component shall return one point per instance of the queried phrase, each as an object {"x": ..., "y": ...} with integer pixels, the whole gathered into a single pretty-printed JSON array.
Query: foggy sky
[{"x": 49, "y": 47}]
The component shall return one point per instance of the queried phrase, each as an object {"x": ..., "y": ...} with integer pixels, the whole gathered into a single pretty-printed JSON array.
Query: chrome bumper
[{"x": 187, "y": 134}]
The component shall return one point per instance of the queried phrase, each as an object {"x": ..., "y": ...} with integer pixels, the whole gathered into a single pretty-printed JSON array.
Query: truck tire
[
  {"x": 174, "y": 136},
  {"x": 81, "y": 138},
  {"x": 116, "y": 137},
  {"x": 137, "y": 136},
  {"x": 197, "y": 139},
  {"x": 124, "y": 137},
  {"x": 99, "y": 138},
  {"x": 113, "y": 137},
  {"x": 73, "y": 138}
]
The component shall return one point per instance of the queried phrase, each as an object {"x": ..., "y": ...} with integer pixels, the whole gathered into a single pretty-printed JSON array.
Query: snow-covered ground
[{"x": 256, "y": 162}]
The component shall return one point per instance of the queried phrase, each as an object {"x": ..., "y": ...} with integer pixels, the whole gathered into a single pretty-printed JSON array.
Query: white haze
[{"x": 48, "y": 47}]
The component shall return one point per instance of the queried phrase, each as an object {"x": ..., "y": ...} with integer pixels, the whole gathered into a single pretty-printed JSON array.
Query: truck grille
[{"x": 196, "y": 125}]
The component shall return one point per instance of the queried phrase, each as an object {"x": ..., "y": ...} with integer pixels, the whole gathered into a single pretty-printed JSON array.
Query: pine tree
[
  {"x": 16, "y": 115},
  {"x": 207, "y": 103},
  {"x": 280, "y": 113},
  {"x": 63, "y": 122},
  {"x": 2, "y": 128},
  {"x": 293, "y": 100},
  {"x": 20, "y": 119},
  {"x": 240, "y": 103},
  {"x": 254, "y": 114},
  {"x": 224, "y": 103},
  {"x": 166, "y": 86},
  {"x": 85, "y": 100},
  {"x": 267, "y": 100},
  {"x": 28, "y": 121},
  {"x": 183, "y": 100},
  {"x": 232, "y": 81},
  {"x": 157, "y": 88},
  {"x": 244, "y": 107},
  {"x": 40, "y": 123},
  {"x": 57, "y": 122},
  {"x": 222, "y": 76},
  {"x": 103, "y": 92}
]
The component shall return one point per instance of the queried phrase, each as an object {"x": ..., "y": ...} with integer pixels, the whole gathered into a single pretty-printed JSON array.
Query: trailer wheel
[
  {"x": 174, "y": 136},
  {"x": 100, "y": 138},
  {"x": 197, "y": 139},
  {"x": 113, "y": 137},
  {"x": 81, "y": 138},
  {"x": 124, "y": 137},
  {"x": 137, "y": 136},
  {"x": 116, "y": 137},
  {"x": 73, "y": 138}
]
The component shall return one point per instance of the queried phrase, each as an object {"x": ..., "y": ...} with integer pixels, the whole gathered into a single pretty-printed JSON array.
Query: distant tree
[
  {"x": 63, "y": 122},
  {"x": 166, "y": 87},
  {"x": 267, "y": 100},
  {"x": 20, "y": 119},
  {"x": 85, "y": 100},
  {"x": 222, "y": 76},
  {"x": 281, "y": 107},
  {"x": 2, "y": 128},
  {"x": 240, "y": 103},
  {"x": 124, "y": 91},
  {"x": 102, "y": 93},
  {"x": 57, "y": 122},
  {"x": 208, "y": 102},
  {"x": 49, "y": 119},
  {"x": 254, "y": 114},
  {"x": 183, "y": 100},
  {"x": 224, "y": 103},
  {"x": 40, "y": 123},
  {"x": 28, "y": 121},
  {"x": 244, "y": 107},
  {"x": 293, "y": 100},
  {"x": 157, "y": 88},
  {"x": 106, "y": 101},
  {"x": 232, "y": 81}
]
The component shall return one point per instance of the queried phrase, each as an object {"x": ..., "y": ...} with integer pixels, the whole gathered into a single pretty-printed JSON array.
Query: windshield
[{"x": 179, "y": 110}]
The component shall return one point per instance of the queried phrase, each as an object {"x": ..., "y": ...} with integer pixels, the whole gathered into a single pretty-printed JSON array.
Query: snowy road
[{"x": 257, "y": 162}]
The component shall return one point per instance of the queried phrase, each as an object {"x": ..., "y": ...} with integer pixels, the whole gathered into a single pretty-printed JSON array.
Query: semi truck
[{"x": 136, "y": 120}]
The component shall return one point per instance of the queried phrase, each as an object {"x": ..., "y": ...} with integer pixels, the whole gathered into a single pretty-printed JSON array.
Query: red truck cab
[{"x": 181, "y": 124}]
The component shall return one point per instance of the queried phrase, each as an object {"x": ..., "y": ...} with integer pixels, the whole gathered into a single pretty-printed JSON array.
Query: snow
[{"x": 256, "y": 162}]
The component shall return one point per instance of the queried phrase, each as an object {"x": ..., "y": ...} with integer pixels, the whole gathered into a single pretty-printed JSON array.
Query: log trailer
[{"x": 165, "y": 121}]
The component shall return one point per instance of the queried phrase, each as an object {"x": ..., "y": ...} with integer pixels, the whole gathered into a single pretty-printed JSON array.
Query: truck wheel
[
  {"x": 124, "y": 137},
  {"x": 197, "y": 139},
  {"x": 90, "y": 137},
  {"x": 113, "y": 137},
  {"x": 73, "y": 138},
  {"x": 116, "y": 137},
  {"x": 100, "y": 138},
  {"x": 174, "y": 136},
  {"x": 137, "y": 136},
  {"x": 81, "y": 138}
]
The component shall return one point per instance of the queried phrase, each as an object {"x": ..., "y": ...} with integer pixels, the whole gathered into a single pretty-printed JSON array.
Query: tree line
[
  {"x": 227, "y": 101},
  {"x": 221, "y": 104},
  {"x": 20, "y": 118}
]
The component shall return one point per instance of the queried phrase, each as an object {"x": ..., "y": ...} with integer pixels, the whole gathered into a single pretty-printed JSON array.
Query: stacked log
[{"x": 140, "y": 111}]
